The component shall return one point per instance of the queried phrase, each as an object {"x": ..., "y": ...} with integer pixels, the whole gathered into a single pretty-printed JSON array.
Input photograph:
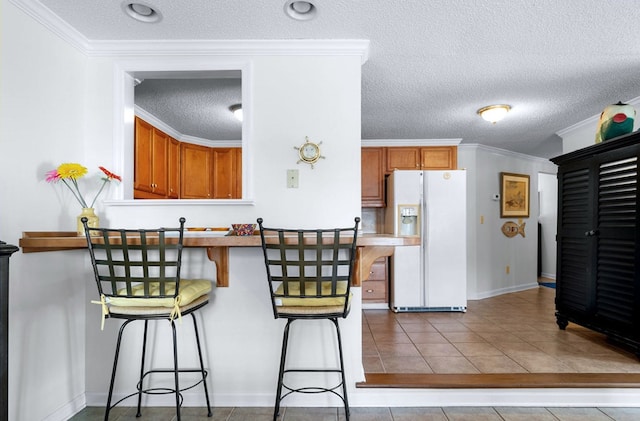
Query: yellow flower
[{"x": 73, "y": 171}]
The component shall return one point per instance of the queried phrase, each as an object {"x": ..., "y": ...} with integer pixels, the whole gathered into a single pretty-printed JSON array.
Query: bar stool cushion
[
  {"x": 308, "y": 300},
  {"x": 190, "y": 289}
]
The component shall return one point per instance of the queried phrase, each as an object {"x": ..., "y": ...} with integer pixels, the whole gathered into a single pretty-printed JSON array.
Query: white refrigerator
[{"x": 431, "y": 205}]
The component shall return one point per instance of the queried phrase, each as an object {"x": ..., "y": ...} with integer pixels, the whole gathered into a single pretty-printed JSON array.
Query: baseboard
[
  {"x": 69, "y": 410},
  {"x": 501, "y": 291}
]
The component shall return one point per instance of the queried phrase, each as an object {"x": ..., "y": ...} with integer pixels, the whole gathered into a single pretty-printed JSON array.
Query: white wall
[
  {"x": 293, "y": 97},
  {"x": 58, "y": 106},
  {"x": 42, "y": 111},
  {"x": 490, "y": 251}
]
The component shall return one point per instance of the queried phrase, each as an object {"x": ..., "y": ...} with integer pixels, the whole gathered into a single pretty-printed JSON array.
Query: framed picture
[{"x": 514, "y": 195}]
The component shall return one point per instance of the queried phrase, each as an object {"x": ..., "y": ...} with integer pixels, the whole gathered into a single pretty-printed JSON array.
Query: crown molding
[
  {"x": 504, "y": 152},
  {"x": 161, "y": 125},
  {"x": 411, "y": 142},
  {"x": 53, "y": 23},
  {"x": 255, "y": 47},
  {"x": 105, "y": 48}
]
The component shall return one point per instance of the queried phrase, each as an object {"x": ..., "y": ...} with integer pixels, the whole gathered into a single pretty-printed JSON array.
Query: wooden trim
[{"x": 499, "y": 380}]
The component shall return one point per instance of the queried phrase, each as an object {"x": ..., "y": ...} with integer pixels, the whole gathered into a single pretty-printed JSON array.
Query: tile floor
[
  {"x": 513, "y": 333},
  {"x": 373, "y": 414},
  {"x": 510, "y": 333}
]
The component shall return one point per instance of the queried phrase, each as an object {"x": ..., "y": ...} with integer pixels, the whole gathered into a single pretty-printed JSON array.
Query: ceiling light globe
[{"x": 494, "y": 113}]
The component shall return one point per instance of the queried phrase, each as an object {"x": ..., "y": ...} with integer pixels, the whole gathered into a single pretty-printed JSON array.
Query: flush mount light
[
  {"x": 494, "y": 113},
  {"x": 237, "y": 111},
  {"x": 141, "y": 12},
  {"x": 300, "y": 10}
]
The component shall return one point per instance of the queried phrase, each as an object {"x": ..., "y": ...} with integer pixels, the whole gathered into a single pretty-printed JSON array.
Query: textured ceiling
[{"x": 431, "y": 64}]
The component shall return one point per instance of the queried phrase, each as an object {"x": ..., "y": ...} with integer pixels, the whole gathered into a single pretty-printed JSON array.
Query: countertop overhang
[{"x": 369, "y": 248}]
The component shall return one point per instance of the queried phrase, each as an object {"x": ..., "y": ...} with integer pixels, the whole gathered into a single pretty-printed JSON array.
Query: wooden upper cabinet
[
  {"x": 373, "y": 162},
  {"x": 439, "y": 158},
  {"x": 195, "y": 171},
  {"x": 174, "y": 169},
  {"x": 226, "y": 173},
  {"x": 422, "y": 158},
  {"x": 402, "y": 158},
  {"x": 150, "y": 161},
  {"x": 142, "y": 177}
]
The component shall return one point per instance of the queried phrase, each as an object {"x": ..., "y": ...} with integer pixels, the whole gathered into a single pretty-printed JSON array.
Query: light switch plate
[{"x": 292, "y": 179}]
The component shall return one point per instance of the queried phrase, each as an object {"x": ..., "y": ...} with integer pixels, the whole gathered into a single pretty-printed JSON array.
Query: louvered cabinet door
[
  {"x": 576, "y": 219},
  {"x": 616, "y": 244}
]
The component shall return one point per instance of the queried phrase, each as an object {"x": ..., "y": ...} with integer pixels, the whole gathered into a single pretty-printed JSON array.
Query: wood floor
[{"x": 508, "y": 341}]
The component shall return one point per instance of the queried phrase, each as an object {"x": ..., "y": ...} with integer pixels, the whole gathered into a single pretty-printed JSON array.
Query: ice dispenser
[{"x": 408, "y": 219}]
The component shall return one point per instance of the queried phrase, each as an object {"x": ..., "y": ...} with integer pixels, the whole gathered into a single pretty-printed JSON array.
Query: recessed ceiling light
[
  {"x": 300, "y": 10},
  {"x": 237, "y": 111},
  {"x": 141, "y": 12}
]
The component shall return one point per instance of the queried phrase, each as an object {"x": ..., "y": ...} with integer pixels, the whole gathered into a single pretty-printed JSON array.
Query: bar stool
[
  {"x": 137, "y": 273},
  {"x": 309, "y": 272}
]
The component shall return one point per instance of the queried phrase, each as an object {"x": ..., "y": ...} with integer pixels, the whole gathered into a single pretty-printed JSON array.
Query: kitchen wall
[{"x": 58, "y": 105}]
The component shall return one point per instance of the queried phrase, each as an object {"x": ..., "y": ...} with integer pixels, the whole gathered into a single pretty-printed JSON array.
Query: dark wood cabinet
[{"x": 598, "y": 282}]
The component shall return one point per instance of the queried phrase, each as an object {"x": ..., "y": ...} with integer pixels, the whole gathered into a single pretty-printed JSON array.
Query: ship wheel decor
[{"x": 309, "y": 152}]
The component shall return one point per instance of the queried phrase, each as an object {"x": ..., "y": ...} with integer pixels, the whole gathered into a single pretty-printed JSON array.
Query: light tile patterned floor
[
  {"x": 510, "y": 333},
  {"x": 372, "y": 414}
]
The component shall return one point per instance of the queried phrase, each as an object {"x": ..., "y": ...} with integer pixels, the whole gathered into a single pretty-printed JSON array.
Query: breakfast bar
[{"x": 369, "y": 248}]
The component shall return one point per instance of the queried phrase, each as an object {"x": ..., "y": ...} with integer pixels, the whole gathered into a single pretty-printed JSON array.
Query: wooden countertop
[
  {"x": 41, "y": 241},
  {"x": 370, "y": 247}
]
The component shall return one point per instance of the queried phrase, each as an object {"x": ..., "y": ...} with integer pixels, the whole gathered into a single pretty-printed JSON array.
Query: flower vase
[{"x": 92, "y": 219}]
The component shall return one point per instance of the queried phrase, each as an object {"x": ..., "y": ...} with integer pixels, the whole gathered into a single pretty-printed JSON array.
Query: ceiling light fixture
[
  {"x": 141, "y": 12},
  {"x": 237, "y": 111},
  {"x": 494, "y": 113},
  {"x": 300, "y": 10}
]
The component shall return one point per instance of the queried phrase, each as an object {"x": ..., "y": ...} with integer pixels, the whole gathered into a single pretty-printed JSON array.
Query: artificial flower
[{"x": 69, "y": 173}]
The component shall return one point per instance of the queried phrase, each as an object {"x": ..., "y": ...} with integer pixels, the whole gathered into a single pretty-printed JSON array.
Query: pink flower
[{"x": 52, "y": 176}]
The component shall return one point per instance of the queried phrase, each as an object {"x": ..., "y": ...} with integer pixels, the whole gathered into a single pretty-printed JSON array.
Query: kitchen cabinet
[
  {"x": 373, "y": 161},
  {"x": 195, "y": 171},
  {"x": 374, "y": 289},
  {"x": 422, "y": 158},
  {"x": 227, "y": 173},
  {"x": 598, "y": 258},
  {"x": 150, "y": 161},
  {"x": 439, "y": 158},
  {"x": 210, "y": 173},
  {"x": 173, "y": 175}
]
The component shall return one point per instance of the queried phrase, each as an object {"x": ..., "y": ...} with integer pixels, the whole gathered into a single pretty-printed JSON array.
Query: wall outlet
[
  {"x": 292, "y": 179},
  {"x": 508, "y": 269}
]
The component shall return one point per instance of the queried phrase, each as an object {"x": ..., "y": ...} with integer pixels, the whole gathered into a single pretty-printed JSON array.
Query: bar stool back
[
  {"x": 309, "y": 272},
  {"x": 137, "y": 273}
]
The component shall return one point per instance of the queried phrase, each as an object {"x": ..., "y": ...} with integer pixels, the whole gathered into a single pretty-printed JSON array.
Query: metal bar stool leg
[
  {"x": 175, "y": 369},
  {"x": 144, "y": 353},
  {"x": 344, "y": 383},
  {"x": 204, "y": 374},
  {"x": 283, "y": 358},
  {"x": 113, "y": 370}
]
